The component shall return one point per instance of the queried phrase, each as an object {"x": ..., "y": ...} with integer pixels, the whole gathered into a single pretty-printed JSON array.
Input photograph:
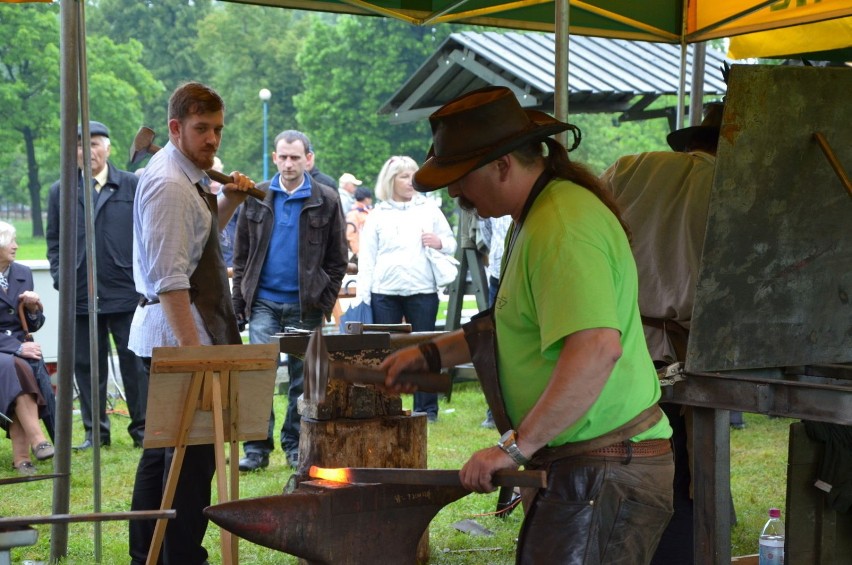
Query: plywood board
[
  {"x": 253, "y": 367},
  {"x": 776, "y": 275}
]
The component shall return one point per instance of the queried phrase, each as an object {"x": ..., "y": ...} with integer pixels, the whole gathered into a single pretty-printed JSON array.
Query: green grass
[
  {"x": 758, "y": 456},
  {"x": 758, "y": 468},
  {"x": 29, "y": 247}
]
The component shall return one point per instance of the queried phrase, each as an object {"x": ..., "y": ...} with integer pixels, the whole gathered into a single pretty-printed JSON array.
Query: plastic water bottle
[{"x": 772, "y": 540}]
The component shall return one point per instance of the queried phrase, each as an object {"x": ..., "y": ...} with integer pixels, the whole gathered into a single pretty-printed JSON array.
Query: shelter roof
[{"x": 604, "y": 75}]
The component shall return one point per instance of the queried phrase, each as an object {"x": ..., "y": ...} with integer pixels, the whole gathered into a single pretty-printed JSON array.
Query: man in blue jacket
[
  {"x": 112, "y": 198},
  {"x": 290, "y": 257}
]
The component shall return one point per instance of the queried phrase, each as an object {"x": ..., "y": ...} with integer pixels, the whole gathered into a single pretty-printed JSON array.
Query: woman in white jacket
[{"x": 394, "y": 274}]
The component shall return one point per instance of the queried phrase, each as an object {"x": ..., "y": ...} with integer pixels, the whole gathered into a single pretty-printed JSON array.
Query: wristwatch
[{"x": 508, "y": 443}]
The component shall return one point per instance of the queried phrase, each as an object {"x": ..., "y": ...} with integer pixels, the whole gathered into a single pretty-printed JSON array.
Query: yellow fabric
[
  {"x": 776, "y": 15},
  {"x": 809, "y": 38}
]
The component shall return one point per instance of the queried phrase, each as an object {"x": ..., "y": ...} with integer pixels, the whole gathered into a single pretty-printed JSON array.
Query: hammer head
[{"x": 143, "y": 145}]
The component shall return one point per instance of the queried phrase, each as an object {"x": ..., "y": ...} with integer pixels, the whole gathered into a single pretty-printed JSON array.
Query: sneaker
[
  {"x": 254, "y": 461},
  {"x": 488, "y": 423}
]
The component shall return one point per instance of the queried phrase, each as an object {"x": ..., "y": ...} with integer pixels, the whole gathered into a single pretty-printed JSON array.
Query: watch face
[{"x": 505, "y": 438}]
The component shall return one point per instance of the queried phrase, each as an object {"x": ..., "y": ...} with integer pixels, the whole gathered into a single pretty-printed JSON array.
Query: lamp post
[{"x": 265, "y": 95}]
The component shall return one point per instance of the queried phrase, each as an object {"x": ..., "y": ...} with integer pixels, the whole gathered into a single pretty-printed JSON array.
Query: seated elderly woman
[{"x": 21, "y": 398}]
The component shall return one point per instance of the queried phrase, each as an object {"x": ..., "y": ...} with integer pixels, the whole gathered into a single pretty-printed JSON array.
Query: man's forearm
[{"x": 176, "y": 306}]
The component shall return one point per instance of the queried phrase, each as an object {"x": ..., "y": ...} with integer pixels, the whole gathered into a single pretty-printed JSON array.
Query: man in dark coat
[{"x": 117, "y": 298}]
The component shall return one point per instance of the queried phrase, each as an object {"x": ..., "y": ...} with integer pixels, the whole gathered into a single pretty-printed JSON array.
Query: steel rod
[
  {"x": 20, "y": 521},
  {"x": 833, "y": 161},
  {"x": 425, "y": 477},
  {"x": 358, "y": 374}
]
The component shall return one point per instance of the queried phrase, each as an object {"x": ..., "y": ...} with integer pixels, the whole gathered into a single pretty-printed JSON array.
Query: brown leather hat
[
  {"x": 709, "y": 128},
  {"x": 476, "y": 128}
]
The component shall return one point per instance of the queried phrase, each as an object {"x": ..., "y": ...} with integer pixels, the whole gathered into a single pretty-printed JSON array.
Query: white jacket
[{"x": 392, "y": 259}]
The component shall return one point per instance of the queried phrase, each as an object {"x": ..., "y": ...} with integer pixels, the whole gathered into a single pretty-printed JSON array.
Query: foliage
[
  {"x": 168, "y": 31},
  {"x": 29, "y": 97},
  {"x": 350, "y": 70},
  {"x": 271, "y": 58}
]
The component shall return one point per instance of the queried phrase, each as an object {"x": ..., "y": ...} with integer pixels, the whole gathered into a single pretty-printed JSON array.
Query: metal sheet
[{"x": 776, "y": 275}]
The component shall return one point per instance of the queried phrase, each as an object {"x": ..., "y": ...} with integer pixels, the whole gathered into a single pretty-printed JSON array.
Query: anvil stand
[{"x": 203, "y": 386}]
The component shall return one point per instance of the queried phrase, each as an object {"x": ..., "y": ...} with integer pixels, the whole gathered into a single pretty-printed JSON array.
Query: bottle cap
[{"x": 774, "y": 513}]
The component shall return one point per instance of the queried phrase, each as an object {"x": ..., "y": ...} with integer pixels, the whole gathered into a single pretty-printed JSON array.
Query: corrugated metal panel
[{"x": 604, "y": 75}]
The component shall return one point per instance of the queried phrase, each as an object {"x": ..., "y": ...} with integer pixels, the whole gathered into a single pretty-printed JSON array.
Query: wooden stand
[{"x": 193, "y": 392}]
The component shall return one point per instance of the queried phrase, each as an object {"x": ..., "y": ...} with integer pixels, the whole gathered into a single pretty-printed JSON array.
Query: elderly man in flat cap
[
  {"x": 570, "y": 381},
  {"x": 112, "y": 198}
]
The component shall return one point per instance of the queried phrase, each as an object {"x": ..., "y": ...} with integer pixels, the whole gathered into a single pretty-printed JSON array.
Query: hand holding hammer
[{"x": 143, "y": 144}]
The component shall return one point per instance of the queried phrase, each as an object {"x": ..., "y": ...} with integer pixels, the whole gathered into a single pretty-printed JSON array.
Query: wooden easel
[{"x": 195, "y": 397}]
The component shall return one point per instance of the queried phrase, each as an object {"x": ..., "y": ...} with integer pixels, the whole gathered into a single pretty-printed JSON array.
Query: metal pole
[
  {"x": 67, "y": 269},
  {"x": 265, "y": 95},
  {"x": 265, "y": 140},
  {"x": 91, "y": 274},
  {"x": 561, "y": 90},
  {"x": 696, "y": 95}
]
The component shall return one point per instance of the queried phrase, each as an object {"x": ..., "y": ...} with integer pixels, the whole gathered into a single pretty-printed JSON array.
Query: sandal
[
  {"x": 43, "y": 451},
  {"x": 25, "y": 468}
]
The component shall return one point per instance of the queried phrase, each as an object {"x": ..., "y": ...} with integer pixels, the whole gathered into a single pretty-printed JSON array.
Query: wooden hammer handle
[
  {"x": 425, "y": 382},
  {"x": 227, "y": 179}
]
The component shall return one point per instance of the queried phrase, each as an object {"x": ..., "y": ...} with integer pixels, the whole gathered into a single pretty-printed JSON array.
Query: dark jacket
[
  {"x": 322, "y": 250},
  {"x": 11, "y": 332},
  {"x": 113, "y": 243}
]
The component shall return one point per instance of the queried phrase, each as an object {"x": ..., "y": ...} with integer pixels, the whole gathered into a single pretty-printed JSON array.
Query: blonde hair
[{"x": 391, "y": 168}]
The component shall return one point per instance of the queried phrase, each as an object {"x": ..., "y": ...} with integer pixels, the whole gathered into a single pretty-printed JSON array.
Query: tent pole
[
  {"x": 696, "y": 97},
  {"x": 561, "y": 90},
  {"x": 91, "y": 274},
  {"x": 67, "y": 269}
]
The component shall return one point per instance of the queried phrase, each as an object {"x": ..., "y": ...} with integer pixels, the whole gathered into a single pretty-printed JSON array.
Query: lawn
[{"x": 758, "y": 456}]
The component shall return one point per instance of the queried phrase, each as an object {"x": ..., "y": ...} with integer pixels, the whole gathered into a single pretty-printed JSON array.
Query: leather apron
[{"x": 208, "y": 284}]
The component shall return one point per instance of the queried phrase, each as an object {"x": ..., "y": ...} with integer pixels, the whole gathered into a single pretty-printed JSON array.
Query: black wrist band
[{"x": 432, "y": 356}]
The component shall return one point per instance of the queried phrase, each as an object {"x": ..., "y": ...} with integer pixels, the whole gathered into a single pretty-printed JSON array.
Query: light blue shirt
[{"x": 171, "y": 224}]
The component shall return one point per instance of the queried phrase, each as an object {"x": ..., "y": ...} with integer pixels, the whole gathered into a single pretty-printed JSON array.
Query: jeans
[
  {"x": 598, "y": 510},
  {"x": 267, "y": 319},
  {"x": 419, "y": 310}
]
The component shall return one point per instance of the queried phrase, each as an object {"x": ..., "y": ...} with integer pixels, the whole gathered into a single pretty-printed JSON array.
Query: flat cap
[{"x": 95, "y": 128}]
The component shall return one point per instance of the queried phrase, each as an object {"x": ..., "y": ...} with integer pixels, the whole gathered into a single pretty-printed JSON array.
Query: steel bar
[
  {"x": 425, "y": 382},
  {"x": 31, "y": 478},
  {"x": 833, "y": 161},
  {"x": 424, "y": 477},
  {"x": 20, "y": 521}
]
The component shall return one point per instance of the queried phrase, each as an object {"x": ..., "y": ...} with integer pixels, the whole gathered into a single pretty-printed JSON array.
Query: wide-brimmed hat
[
  {"x": 95, "y": 128},
  {"x": 707, "y": 131},
  {"x": 476, "y": 128}
]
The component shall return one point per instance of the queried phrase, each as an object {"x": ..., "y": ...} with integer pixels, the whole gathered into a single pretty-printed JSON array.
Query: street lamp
[{"x": 265, "y": 95}]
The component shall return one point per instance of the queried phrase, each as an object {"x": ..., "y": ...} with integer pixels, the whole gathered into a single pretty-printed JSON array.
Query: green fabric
[{"x": 572, "y": 269}]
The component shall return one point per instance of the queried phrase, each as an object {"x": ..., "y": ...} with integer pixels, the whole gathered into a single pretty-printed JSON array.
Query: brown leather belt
[{"x": 628, "y": 449}]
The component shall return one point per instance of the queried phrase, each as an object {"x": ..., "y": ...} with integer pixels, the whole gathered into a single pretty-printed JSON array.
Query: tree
[
  {"x": 266, "y": 61},
  {"x": 29, "y": 73},
  {"x": 350, "y": 70},
  {"x": 168, "y": 31},
  {"x": 29, "y": 93}
]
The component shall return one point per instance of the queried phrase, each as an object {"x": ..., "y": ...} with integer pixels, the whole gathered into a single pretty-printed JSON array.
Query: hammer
[
  {"x": 143, "y": 144},
  {"x": 358, "y": 328}
]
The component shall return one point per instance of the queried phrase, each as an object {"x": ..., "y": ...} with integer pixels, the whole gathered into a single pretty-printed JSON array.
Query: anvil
[{"x": 337, "y": 523}]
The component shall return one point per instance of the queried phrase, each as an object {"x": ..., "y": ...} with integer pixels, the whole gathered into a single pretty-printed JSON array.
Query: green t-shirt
[{"x": 571, "y": 269}]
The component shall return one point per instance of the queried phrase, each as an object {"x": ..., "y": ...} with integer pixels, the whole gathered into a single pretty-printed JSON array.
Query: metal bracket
[{"x": 671, "y": 374}]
